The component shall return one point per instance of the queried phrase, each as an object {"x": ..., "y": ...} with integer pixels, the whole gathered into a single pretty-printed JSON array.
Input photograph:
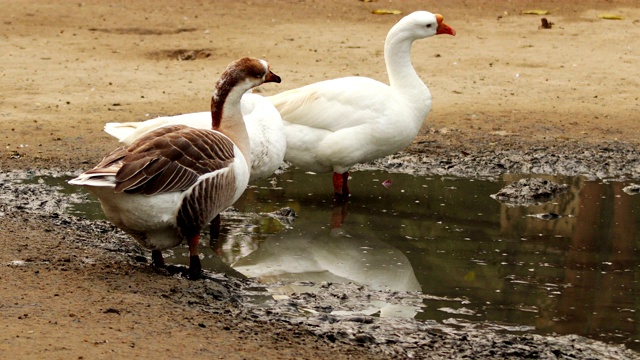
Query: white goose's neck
[
  {"x": 402, "y": 76},
  {"x": 228, "y": 118}
]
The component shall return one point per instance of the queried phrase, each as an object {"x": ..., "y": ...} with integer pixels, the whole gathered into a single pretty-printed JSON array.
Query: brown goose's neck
[
  {"x": 226, "y": 114},
  {"x": 221, "y": 102},
  {"x": 216, "y": 112}
]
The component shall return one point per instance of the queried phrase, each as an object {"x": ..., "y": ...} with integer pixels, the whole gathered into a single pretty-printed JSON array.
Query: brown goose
[{"x": 171, "y": 182}]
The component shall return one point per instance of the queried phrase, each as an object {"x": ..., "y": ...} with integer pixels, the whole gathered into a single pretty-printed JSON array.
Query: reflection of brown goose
[
  {"x": 334, "y": 255},
  {"x": 169, "y": 183}
]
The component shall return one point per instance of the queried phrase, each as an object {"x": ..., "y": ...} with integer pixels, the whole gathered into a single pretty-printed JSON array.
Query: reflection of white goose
[{"x": 332, "y": 255}]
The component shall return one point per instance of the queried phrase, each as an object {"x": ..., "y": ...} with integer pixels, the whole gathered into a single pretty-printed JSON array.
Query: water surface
[{"x": 479, "y": 261}]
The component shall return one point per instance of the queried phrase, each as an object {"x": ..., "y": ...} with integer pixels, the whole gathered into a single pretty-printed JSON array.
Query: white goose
[
  {"x": 334, "y": 124},
  {"x": 171, "y": 182},
  {"x": 264, "y": 126}
]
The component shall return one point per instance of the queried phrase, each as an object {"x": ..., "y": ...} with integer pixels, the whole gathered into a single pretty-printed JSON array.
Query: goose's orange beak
[{"x": 443, "y": 28}]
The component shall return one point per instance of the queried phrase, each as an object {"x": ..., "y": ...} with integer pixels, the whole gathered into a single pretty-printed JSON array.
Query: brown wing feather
[
  {"x": 170, "y": 158},
  {"x": 207, "y": 199}
]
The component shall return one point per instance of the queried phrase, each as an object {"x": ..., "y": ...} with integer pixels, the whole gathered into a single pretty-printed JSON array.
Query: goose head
[
  {"x": 397, "y": 55},
  {"x": 244, "y": 74},
  {"x": 226, "y": 112},
  {"x": 422, "y": 24},
  {"x": 239, "y": 77}
]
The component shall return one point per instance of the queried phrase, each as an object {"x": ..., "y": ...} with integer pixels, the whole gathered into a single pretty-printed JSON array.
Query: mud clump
[
  {"x": 531, "y": 191},
  {"x": 632, "y": 189},
  {"x": 453, "y": 155}
]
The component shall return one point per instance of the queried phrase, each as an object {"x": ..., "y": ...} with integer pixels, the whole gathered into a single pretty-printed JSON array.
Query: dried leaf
[
  {"x": 535, "y": 12},
  {"x": 610, "y": 16},
  {"x": 386, "y": 12}
]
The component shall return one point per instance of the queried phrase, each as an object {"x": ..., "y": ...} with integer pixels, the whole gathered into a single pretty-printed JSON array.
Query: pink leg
[
  {"x": 337, "y": 183},
  {"x": 340, "y": 187},
  {"x": 345, "y": 187},
  {"x": 338, "y": 215},
  {"x": 194, "y": 259}
]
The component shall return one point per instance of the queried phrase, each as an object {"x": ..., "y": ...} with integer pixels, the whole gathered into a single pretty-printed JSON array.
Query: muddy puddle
[{"x": 436, "y": 249}]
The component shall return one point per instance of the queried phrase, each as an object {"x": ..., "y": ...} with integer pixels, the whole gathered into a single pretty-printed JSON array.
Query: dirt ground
[{"x": 67, "y": 67}]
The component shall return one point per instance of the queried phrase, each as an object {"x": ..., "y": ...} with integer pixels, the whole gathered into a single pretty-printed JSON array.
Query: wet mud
[{"x": 489, "y": 156}]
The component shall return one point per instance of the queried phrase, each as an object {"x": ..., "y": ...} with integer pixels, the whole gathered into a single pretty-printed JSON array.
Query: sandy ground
[{"x": 67, "y": 67}]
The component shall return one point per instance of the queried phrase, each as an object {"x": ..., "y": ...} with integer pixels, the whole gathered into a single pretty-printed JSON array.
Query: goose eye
[{"x": 429, "y": 25}]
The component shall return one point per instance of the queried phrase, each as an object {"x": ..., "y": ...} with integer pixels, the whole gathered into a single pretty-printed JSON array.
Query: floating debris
[
  {"x": 284, "y": 212},
  {"x": 632, "y": 189},
  {"x": 529, "y": 191},
  {"x": 286, "y": 216},
  {"x": 387, "y": 183},
  {"x": 461, "y": 311},
  {"x": 547, "y": 216}
]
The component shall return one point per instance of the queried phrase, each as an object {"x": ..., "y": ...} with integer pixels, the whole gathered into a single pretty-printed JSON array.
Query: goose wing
[
  {"x": 128, "y": 132},
  {"x": 334, "y": 105},
  {"x": 171, "y": 158}
]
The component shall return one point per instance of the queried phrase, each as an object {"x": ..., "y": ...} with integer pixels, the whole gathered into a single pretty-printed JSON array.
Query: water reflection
[
  {"x": 577, "y": 274},
  {"x": 332, "y": 251},
  {"x": 572, "y": 275},
  {"x": 601, "y": 264}
]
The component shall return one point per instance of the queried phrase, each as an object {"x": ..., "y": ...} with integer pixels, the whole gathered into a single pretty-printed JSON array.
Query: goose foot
[
  {"x": 156, "y": 259},
  {"x": 195, "y": 268}
]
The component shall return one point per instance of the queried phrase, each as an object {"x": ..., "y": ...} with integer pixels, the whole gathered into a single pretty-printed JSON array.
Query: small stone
[{"x": 112, "y": 311}]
